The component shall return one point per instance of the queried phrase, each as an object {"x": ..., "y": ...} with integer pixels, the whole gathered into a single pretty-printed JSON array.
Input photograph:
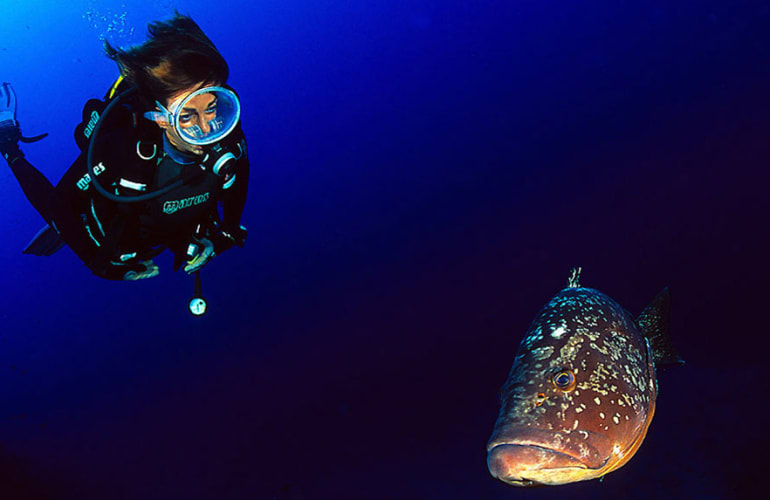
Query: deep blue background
[{"x": 424, "y": 175}]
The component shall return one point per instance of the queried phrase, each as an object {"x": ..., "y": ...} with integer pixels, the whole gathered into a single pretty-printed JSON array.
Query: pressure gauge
[{"x": 198, "y": 306}]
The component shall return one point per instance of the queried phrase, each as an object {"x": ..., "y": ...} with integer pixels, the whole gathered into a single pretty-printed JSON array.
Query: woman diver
[{"x": 161, "y": 156}]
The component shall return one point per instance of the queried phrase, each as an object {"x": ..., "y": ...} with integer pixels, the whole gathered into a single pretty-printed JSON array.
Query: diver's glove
[
  {"x": 10, "y": 134},
  {"x": 9, "y": 127},
  {"x": 237, "y": 235},
  {"x": 150, "y": 270},
  {"x": 201, "y": 251},
  {"x": 227, "y": 239}
]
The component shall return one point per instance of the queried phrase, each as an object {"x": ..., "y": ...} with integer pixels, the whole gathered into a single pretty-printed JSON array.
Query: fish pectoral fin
[{"x": 653, "y": 323}]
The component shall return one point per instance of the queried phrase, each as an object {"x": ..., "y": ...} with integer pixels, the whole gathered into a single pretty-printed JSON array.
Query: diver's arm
[
  {"x": 55, "y": 205},
  {"x": 234, "y": 198},
  {"x": 61, "y": 209},
  {"x": 34, "y": 184},
  {"x": 233, "y": 202},
  {"x": 70, "y": 205},
  {"x": 73, "y": 199},
  {"x": 218, "y": 237},
  {"x": 36, "y": 187}
]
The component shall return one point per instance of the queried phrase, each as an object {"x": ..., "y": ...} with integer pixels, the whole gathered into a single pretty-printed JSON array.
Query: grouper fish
[{"x": 581, "y": 393}]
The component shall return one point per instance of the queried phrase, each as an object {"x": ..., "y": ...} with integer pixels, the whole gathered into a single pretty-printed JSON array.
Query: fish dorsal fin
[
  {"x": 653, "y": 323},
  {"x": 574, "y": 278}
]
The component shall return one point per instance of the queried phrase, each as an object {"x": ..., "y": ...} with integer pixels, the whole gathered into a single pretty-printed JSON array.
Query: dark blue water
[{"x": 424, "y": 175}]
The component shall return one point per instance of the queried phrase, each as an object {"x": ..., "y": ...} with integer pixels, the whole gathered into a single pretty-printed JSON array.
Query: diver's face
[{"x": 197, "y": 112}]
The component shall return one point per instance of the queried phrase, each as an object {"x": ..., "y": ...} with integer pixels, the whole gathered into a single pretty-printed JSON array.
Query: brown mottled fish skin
[{"x": 545, "y": 434}]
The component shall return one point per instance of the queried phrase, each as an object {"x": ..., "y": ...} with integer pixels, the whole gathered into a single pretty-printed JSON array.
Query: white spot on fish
[
  {"x": 542, "y": 353},
  {"x": 615, "y": 419},
  {"x": 558, "y": 332},
  {"x": 598, "y": 401},
  {"x": 575, "y": 425},
  {"x": 601, "y": 415}
]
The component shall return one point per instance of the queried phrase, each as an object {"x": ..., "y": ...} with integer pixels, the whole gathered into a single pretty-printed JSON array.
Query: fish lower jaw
[
  {"x": 552, "y": 477},
  {"x": 532, "y": 465}
]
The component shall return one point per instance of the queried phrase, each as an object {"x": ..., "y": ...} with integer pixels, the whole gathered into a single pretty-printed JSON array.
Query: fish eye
[{"x": 564, "y": 380}]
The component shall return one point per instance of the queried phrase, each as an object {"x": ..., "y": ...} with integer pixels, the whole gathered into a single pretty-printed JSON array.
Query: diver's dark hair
[{"x": 176, "y": 56}]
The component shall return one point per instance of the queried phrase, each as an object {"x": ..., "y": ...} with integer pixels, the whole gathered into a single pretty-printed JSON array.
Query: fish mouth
[
  {"x": 531, "y": 465},
  {"x": 531, "y": 457}
]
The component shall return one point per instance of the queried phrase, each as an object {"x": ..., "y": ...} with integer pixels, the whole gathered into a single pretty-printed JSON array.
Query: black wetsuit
[{"x": 112, "y": 238}]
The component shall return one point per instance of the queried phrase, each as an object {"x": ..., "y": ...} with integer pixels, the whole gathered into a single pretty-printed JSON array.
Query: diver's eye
[
  {"x": 564, "y": 380},
  {"x": 185, "y": 118}
]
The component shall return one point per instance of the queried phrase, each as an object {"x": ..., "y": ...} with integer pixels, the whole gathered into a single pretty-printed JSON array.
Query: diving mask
[{"x": 203, "y": 117}]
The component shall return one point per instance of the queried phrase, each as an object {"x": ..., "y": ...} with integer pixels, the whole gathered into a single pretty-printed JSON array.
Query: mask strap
[{"x": 162, "y": 115}]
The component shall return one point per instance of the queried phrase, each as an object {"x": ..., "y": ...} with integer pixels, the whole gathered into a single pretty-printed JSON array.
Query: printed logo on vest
[
  {"x": 173, "y": 206},
  {"x": 85, "y": 181},
  {"x": 91, "y": 124}
]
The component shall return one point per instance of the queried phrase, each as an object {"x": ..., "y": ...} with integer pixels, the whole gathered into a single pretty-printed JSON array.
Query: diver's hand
[
  {"x": 8, "y": 105},
  {"x": 225, "y": 239},
  {"x": 10, "y": 134},
  {"x": 9, "y": 127},
  {"x": 150, "y": 271},
  {"x": 237, "y": 235},
  {"x": 205, "y": 254}
]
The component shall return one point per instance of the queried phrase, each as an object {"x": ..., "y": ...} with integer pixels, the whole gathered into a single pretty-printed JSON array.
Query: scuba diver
[{"x": 163, "y": 162}]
